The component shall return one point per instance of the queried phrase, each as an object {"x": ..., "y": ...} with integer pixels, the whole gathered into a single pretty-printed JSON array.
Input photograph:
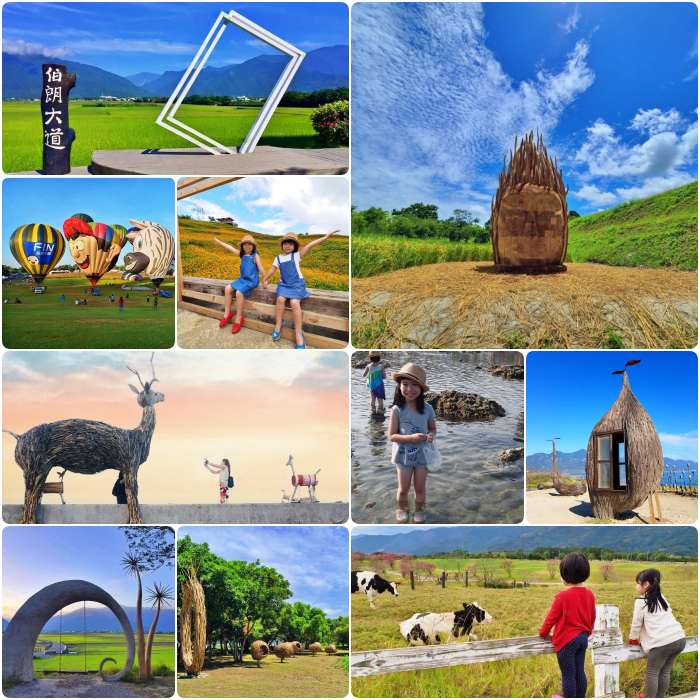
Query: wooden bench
[{"x": 326, "y": 312}]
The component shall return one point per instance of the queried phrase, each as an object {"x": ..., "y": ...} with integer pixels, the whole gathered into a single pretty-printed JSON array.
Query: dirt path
[
  {"x": 91, "y": 687},
  {"x": 198, "y": 332},
  {"x": 547, "y": 507},
  {"x": 468, "y": 305},
  {"x": 303, "y": 676}
]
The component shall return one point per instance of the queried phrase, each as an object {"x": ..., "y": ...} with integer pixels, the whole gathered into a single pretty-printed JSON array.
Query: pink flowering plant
[{"x": 332, "y": 123}]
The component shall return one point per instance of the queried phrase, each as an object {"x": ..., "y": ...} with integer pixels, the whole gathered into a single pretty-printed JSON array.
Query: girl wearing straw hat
[
  {"x": 376, "y": 374},
  {"x": 292, "y": 285},
  {"x": 412, "y": 424},
  {"x": 249, "y": 279}
]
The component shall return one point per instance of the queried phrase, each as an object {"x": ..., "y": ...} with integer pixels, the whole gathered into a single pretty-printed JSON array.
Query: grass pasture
[
  {"x": 304, "y": 676},
  {"x": 100, "y": 646},
  {"x": 130, "y": 125},
  {"x": 325, "y": 267},
  {"x": 41, "y": 321},
  {"x": 517, "y": 612}
]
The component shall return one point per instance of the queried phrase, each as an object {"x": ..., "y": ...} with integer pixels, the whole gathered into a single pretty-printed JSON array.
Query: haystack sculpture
[
  {"x": 529, "y": 215},
  {"x": 308, "y": 480},
  {"x": 88, "y": 447},
  {"x": 192, "y": 653},
  {"x": 315, "y": 648},
  {"x": 559, "y": 486},
  {"x": 259, "y": 650},
  {"x": 624, "y": 462},
  {"x": 283, "y": 651},
  {"x": 330, "y": 649}
]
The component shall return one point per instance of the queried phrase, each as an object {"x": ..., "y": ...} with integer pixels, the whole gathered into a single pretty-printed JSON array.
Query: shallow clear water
[{"x": 468, "y": 487}]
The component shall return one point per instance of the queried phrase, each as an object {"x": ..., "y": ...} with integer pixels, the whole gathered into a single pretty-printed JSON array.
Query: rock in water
[
  {"x": 512, "y": 455},
  {"x": 508, "y": 371},
  {"x": 458, "y": 404}
]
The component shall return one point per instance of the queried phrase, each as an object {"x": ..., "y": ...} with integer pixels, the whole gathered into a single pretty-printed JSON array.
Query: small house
[
  {"x": 227, "y": 220},
  {"x": 624, "y": 461}
]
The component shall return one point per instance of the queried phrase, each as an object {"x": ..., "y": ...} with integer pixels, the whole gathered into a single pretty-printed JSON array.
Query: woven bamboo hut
[
  {"x": 259, "y": 650},
  {"x": 624, "y": 462},
  {"x": 315, "y": 648},
  {"x": 296, "y": 646},
  {"x": 283, "y": 651},
  {"x": 529, "y": 214},
  {"x": 559, "y": 486},
  {"x": 330, "y": 649}
]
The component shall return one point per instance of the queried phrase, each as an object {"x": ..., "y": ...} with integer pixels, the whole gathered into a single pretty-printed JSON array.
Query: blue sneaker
[
  {"x": 303, "y": 345},
  {"x": 275, "y": 334}
]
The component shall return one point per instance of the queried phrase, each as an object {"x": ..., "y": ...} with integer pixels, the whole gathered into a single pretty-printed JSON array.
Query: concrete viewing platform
[
  {"x": 189, "y": 513},
  {"x": 265, "y": 160}
]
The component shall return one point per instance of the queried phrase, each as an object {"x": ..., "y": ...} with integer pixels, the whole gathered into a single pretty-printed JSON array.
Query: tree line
[{"x": 247, "y": 601}]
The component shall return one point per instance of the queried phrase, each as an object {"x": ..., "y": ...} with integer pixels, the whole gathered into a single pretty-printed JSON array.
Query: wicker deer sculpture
[{"x": 88, "y": 447}]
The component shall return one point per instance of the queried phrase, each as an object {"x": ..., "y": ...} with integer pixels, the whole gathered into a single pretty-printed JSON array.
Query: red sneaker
[
  {"x": 224, "y": 321},
  {"x": 237, "y": 326}
]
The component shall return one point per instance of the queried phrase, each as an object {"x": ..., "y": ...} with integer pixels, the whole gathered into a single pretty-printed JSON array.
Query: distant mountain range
[
  {"x": 575, "y": 462},
  {"x": 103, "y": 619},
  {"x": 324, "y": 68},
  {"x": 499, "y": 538}
]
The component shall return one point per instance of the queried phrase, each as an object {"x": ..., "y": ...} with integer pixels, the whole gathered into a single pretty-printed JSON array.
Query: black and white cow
[
  {"x": 424, "y": 628},
  {"x": 372, "y": 584}
]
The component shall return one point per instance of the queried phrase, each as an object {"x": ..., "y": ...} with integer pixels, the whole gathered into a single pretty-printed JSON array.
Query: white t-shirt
[{"x": 654, "y": 629}]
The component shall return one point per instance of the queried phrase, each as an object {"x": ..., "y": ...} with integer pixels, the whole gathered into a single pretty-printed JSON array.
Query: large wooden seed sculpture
[
  {"x": 88, "y": 447},
  {"x": 624, "y": 461},
  {"x": 193, "y": 650},
  {"x": 529, "y": 215},
  {"x": 259, "y": 650}
]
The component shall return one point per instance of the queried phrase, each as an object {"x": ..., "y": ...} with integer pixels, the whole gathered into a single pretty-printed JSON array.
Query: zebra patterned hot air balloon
[
  {"x": 154, "y": 250},
  {"x": 37, "y": 248}
]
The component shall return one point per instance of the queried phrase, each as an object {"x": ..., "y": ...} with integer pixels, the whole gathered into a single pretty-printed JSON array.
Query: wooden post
[
  {"x": 607, "y": 676},
  {"x": 442, "y": 579},
  {"x": 58, "y": 137},
  {"x": 651, "y": 509},
  {"x": 658, "y": 506},
  {"x": 466, "y": 579},
  {"x": 413, "y": 584}
]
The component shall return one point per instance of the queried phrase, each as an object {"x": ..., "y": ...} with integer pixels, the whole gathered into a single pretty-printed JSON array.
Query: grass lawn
[
  {"x": 100, "y": 646},
  {"x": 126, "y": 125},
  {"x": 304, "y": 676},
  {"x": 325, "y": 267},
  {"x": 517, "y": 613},
  {"x": 41, "y": 321}
]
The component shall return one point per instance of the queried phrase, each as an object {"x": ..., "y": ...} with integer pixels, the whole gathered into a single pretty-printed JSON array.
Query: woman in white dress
[{"x": 225, "y": 478}]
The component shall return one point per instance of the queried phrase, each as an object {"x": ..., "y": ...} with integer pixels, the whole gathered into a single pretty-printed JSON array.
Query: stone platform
[
  {"x": 187, "y": 513},
  {"x": 266, "y": 160}
]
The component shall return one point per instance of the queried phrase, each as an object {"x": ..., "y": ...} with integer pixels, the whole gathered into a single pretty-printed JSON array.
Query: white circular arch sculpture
[{"x": 25, "y": 627}]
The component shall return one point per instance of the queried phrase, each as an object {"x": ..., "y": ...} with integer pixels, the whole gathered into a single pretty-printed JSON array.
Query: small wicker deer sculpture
[{"x": 88, "y": 447}]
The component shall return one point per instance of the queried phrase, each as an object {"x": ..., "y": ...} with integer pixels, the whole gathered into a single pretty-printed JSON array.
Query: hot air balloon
[
  {"x": 94, "y": 246},
  {"x": 154, "y": 250},
  {"x": 37, "y": 248}
]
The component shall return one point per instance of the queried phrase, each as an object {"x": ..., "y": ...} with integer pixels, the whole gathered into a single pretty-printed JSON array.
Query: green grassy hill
[{"x": 657, "y": 231}]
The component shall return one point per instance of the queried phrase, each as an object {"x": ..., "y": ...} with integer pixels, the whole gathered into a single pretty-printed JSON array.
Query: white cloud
[
  {"x": 202, "y": 209},
  {"x": 433, "y": 105},
  {"x": 18, "y": 47},
  {"x": 592, "y": 195},
  {"x": 654, "y": 121},
  {"x": 681, "y": 446},
  {"x": 654, "y": 185},
  {"x": 571, "y": 22}
]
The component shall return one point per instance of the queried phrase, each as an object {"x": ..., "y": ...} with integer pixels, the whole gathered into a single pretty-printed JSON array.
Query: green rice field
[
  {"x": 126, "y": 125},
  {"x": 41, "y": 321},
  {"x": 99, "y": 646}
]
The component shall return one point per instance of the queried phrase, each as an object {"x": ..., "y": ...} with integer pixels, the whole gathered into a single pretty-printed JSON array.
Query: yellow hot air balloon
[
  {"x": 94, "y": 246},
  {"x": 37, "y": 248}
]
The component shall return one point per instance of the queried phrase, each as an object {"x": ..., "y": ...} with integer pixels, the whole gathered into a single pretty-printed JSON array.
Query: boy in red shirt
[{"x": 572, "y": 615}]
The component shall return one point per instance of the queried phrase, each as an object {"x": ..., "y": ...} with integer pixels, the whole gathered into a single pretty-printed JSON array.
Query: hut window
[{"x": 611, "y": 462}]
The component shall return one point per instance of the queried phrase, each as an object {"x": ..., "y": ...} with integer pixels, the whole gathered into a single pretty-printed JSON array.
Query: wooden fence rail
[{"x": 606, "y": 643}]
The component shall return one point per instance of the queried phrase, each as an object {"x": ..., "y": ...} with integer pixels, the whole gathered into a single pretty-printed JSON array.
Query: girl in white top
[
  {"x": 225, "y": 478},
  {"x": 657, "y": 631}
]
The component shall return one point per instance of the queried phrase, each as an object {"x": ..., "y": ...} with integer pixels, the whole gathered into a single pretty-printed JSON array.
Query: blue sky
[
  {"x": 569, "y": 392},
  {"x": 313, "y": 559},
  {"x": 146, "y": 36},
  {"x": 34, "y": 557},
  {"x": 107, "y": 200},
  {"x": 275, "y": 205},
  {"x": 441, "y": 89}
]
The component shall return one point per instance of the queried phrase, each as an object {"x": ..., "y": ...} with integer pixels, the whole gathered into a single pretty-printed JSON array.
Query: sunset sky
[{"x": 254, "y": 408}]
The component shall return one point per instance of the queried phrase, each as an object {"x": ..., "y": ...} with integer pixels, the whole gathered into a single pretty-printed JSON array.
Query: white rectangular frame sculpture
[{"x": 187, "y": 80}]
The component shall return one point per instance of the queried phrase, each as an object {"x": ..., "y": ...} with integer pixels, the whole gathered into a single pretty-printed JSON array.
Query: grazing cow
[
  {"x": 424, "y": 628},
  {"x": 370, "y": 583}
]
